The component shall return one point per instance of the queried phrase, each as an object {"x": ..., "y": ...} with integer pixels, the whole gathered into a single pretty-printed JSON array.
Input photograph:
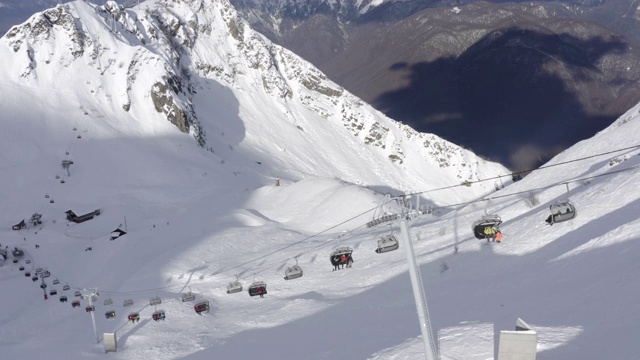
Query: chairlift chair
[
  {"x": 486, "y": 221},
  {"x": 90, "y": 308},
  {"x": 234, "y": 287},
  {"x": 337, "y": 254},
  {"x": 15, "y": 261},
  {"x": 158, "y": 315},
  {"x": 46, "y": 274},
  {"x": 56, "y": 282},
  {"x": 34, "y": 278},
  {"x": 75, "y": 303},
  {"x": 127, "y": 302},
  {"x": 27, "y": 274},
  {"x": 43, "y": 286},
  {"x": 155, "y": 301},
  {"x": 77, "y": 294},
  {"x": 133, "y": 317},
  {"x": 387, "y": 243},
  {"x": 201, "y": 307},
  {"x": 561, "y": 211},
  {"x": 63, "y": 298},
  {"x": 46, "y": 196},
  {"x": 66, "y": 287},
  {"x": 293, "y": 272},
  {"x": 258, "y": 288},
  {"x": 53, "y": 292},
  {"x": 110, "y": 314},
  {"x": 188, "y": 296},
  {"x": 28, "y": 261},
  {"x": 21, "y": 268},
  {"x": 108, "y": 302}
]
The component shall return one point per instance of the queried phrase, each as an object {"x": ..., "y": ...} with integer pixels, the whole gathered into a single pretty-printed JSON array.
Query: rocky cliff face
[{"x": 459, "y": 68}]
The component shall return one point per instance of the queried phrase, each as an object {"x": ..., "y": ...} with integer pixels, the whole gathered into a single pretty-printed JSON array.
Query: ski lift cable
[
  {"x": 525, "y": 171},
  {"x": 542, "y": 187},
  {"x": 262, "y": 268},
  {"x": 329, "y": 242}
]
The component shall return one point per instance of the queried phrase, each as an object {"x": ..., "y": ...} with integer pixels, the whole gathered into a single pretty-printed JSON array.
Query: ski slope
[{"x": 573, "y": 281}]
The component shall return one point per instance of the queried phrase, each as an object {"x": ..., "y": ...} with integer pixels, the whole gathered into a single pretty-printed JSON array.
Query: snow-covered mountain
[
  {"x": 179, "y": 122},
  {"x": 199, "y": 66}
]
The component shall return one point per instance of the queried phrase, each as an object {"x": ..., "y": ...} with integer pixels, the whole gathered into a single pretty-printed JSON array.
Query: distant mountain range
[{"x": 515, "y": 81}]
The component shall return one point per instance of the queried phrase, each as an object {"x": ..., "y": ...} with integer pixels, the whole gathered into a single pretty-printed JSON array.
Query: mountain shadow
[{"x": 516, "y": 96}]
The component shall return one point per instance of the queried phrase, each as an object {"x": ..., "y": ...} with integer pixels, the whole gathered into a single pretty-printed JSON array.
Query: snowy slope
[{"x": 197, "y": 217}]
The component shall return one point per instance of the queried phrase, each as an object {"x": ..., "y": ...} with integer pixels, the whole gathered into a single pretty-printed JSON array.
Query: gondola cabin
[
  {"x": 201, "y": 307},
  {"x": 387, "y": 243},
  {"x": 561, "y": 211},
  {"x": 341, "y": 256},
  {"x": 158, "y": 315},
  {"x": 63, "y": 298},
  {"x": 110, "y": 314},
  {"x": 127, "y": 303},
  {"x": 133, "y": 317},
  {"x": 155, "y": 301},
  {"x": 234, "y": 287},
  {"x": 188, "y": 296},
  {"x": 486, "y": 221},
  {"x": 90, "y": 308},
  {"x": 293, "y": 272},
  {"x": 75, "y": 303},
  {"x": 258, "y": 288}
]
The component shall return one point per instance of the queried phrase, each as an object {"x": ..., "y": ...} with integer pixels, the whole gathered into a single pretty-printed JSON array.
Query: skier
[{"x": 499, "y": 237}]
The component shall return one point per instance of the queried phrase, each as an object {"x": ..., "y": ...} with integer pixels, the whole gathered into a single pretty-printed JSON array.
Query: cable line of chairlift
[{"x": 560, "y": 211}]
